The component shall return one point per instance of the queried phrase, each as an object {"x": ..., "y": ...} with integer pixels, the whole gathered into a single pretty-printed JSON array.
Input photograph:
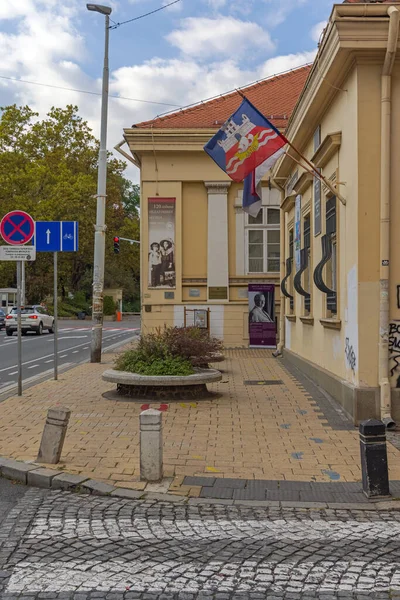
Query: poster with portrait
[
  {"x": 161, "y": 242},
  {"x": 262, "y": 327}
]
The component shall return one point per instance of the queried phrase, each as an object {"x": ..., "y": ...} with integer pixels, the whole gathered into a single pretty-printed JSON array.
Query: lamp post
[{"x": 100, "y": 228}]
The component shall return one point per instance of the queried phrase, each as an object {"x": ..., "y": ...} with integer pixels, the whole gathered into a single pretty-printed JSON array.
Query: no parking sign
[{"x": 17, "y": 228}]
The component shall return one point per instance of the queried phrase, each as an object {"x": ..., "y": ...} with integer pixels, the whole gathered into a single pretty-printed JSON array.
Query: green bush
[
  {"x": 109, "y": 306},
  {"x": 135, "y": 361},
  {"x": 169, "y": 351}
]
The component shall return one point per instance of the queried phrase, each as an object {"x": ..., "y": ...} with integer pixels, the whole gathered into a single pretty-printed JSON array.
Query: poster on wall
[
  {"x": 162, "y": 242},
  {"x": 262, "y": 327},
  {"x": 297, "y": 232},
  {"x": 317, "y": 206}
]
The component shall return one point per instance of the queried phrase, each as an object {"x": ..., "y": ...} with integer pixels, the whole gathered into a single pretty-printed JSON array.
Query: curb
[{"x": 38, "y": 476}]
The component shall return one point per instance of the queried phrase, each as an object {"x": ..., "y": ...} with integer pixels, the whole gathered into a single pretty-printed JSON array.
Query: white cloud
[
  {"x": 317, "y": 30},
  {"x": 45, "y": 46},
  {"x": 279, "y": 64},
  {"x": 225, "y": 36},
  {"x": 216, "y": 4},
  {"x": 279, "y": 10}
]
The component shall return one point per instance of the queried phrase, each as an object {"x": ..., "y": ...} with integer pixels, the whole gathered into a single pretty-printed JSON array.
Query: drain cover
[{"x": 264, "y": 382}]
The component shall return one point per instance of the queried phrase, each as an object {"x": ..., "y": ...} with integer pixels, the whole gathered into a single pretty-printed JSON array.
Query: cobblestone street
[{"x": 61, "y": 545}]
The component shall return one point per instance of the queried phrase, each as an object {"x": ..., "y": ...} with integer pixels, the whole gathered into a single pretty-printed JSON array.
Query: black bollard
[{"x": 374, "y": 464}]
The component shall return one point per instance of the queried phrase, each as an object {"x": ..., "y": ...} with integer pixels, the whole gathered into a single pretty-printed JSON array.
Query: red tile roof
[{"x": 274, "y": 97}]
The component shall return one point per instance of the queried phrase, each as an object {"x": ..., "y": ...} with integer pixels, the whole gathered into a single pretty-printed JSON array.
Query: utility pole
[{"x": 100, "y": 228}]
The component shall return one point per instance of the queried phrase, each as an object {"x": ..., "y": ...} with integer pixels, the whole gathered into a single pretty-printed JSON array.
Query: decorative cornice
[
  {"x": 217, "y": 187},
  {"x": 327, "y": 149},
  {"x": 150, "y": 139},
  {"x": 289, "y": 202},
  {"x": 303, "y": 183}
]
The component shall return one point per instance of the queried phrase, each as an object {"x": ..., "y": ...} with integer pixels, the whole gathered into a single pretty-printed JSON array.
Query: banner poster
[
  {"x": 297, "y": 232},
  {"x": 262, "y": 327},
  {"x": 161, "y": 242}
]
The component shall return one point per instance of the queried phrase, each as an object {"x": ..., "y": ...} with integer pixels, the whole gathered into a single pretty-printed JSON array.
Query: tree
[{"x": 48, "y": 168}]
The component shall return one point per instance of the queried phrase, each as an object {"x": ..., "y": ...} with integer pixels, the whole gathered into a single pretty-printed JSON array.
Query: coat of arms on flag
[{"x": 247, "y": 145}]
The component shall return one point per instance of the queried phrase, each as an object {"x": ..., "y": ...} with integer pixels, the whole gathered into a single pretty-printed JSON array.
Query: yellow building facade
[
  {"x": 199, "y": 251},
  {"x": 340, "y": 267}
]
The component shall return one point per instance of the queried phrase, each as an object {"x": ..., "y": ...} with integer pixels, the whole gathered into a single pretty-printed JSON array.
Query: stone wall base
[
  {"x": 360, "y": 403},
  {"x": 166, "y": 393}
]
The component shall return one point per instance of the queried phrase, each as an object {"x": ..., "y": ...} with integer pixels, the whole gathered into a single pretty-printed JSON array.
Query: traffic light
[{"x": 116, "y": 245}]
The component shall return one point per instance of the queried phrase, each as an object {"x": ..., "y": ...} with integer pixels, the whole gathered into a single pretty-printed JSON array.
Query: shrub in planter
[
  {"x": 169, "y": 351},
  {"x": 137, "y": 361},
  {"x": 191, "y": 343}
]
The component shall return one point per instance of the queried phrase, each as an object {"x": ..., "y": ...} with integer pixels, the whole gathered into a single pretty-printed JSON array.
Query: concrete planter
[
  {"x": 213, "y": 358},
  {"x": 167, "y": 388}
]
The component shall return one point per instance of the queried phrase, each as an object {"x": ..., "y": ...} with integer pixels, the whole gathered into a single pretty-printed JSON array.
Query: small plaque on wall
[
  {"x": 169, "y": 295},
  {"x": 194, "y": 293},
  {"x": 218, "y": 293},
  {"x": 243, "y": 293}
]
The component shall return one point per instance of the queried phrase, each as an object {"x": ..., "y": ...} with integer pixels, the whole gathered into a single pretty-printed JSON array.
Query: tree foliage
[{"x": 48, "y": 168}]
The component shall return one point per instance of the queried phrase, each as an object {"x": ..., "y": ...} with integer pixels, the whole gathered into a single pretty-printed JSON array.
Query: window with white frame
[{"x": 263, "y": 241}]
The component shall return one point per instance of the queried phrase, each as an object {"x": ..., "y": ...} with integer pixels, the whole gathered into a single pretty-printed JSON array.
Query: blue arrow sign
[{"x": 56, "y": 236}]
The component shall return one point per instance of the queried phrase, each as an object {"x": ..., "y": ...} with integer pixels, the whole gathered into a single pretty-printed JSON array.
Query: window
[
  {"x": 331, "y": 231},
  {"x": 263, "y": 241}
]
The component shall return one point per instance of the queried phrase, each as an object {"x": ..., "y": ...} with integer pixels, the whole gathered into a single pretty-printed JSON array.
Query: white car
[{"x": 33, "y": 318}]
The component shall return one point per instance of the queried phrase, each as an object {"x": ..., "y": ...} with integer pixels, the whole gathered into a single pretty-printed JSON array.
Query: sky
[{"x": 188, "y": 52}]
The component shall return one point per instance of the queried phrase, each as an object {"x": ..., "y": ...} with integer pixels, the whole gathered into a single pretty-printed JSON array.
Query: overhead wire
[
  {"x": 152, "y": 12},
  {"x": 59, "y": 87}
]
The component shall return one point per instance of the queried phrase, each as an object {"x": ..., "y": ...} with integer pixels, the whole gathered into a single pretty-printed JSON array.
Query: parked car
[
  {"x": 2, "y": 319},
  {"x": 33, "y": 318}
]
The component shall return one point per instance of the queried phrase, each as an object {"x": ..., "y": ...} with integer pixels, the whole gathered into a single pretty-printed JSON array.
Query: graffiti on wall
[
  {"x": 350, "y": 355},
  {"x": 394, "y": 352},
  {"x": 351, "y": 332}
]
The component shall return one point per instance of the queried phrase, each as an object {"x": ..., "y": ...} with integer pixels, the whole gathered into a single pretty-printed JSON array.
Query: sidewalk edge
[{"x": 35, "y": 474}]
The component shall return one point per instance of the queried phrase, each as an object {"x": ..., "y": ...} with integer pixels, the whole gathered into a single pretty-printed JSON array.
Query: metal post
[
  {"x": 23, "y": 290},
  {"x": 56, "y": 315},
  {"x": 19, "y": 327},
  {"x": 99, "y": 236},
  {"x": 374, "y": 463}
]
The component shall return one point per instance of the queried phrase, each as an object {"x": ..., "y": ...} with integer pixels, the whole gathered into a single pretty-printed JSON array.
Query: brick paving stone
[
  {"x": 247, "y": 433},
  {"x": 216, "y": 492},
  {"x": 227, "y": 482}
]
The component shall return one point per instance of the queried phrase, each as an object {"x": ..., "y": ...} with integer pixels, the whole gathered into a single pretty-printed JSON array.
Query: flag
[
  {"x": 252, "y": 184},
  {"x": 245, "y": 142}
]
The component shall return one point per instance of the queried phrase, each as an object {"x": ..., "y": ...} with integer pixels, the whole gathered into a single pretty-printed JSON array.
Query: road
[
  {"x": 72, "y": 546},
  {"x": 73, "y": 345}
]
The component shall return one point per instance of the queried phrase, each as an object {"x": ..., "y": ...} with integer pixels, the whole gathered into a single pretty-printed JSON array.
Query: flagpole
[
  {"x": 313, "y": 167},
  {"x": 315, "y": 170}
]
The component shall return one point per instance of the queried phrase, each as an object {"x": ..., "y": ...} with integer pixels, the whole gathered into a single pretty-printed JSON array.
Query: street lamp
[{"x": 100, "y": 229}]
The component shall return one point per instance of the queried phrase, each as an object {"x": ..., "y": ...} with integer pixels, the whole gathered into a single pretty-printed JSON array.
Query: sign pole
[
  {"x": 19, "y": 326},
  {"x": 55, "y": 315},
  {"x": 23, "y": 286}
]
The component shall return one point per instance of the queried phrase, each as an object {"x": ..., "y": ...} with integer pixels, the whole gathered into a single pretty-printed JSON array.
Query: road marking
[
  {"x": 49, "y": 361},
  {"x": 13, "y": 373},
  {"x": 75, "y": 352},
  {"x": 28, "y": 362},
  {"x": 62, "y": 356},
  {"x": 71, "y": 337},
  {"x": 33, "y": 366}
]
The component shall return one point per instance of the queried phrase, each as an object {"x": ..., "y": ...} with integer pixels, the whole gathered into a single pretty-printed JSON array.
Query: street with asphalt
[{"x": 73, "y": 347}]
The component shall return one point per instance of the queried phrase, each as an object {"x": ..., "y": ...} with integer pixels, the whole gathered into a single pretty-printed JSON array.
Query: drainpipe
[
  {"x": 281, "y": 344},
  {"x": 384, "y": 306}
]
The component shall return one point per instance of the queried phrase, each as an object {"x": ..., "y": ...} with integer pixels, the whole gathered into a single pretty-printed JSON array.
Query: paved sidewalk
[{"x": 274, "y": 430}]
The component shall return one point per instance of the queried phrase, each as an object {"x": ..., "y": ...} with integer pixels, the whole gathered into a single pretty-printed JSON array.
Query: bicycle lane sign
[{"x": 17, "y": 228}]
